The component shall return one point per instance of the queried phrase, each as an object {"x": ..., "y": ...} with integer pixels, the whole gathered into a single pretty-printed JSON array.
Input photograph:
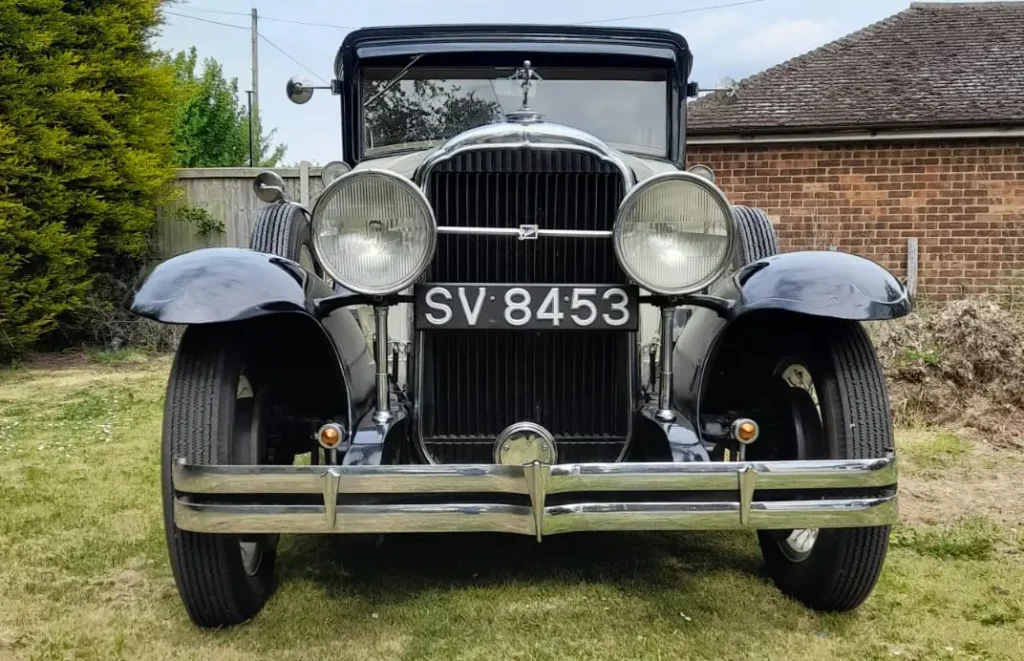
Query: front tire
[
  {"x": 215, "y": 414},
  {"x": 831, "y": 569}
]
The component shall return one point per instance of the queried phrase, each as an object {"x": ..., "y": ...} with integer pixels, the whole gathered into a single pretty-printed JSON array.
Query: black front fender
[
  {"x": 236, "y": 285},
  {"x": 814, "y": 283},
  {"x": 214, "y": 285},
  {"x": 820, "y": 283}
]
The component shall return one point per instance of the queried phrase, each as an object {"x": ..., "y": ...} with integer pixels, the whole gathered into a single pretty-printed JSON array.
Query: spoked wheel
[
  {"x": 249, "y": 447},
  {"x": 800, "y": 405},
  {"x": 831, "y": 403},
  {"x": 216, "y": 413}
]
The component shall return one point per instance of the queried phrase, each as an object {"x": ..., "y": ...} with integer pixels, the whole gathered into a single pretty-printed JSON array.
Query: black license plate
[{"x": 528, "y": 307}]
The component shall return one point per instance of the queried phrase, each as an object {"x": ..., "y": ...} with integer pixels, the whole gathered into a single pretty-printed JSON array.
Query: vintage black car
[{"x": 514, "y": 310}]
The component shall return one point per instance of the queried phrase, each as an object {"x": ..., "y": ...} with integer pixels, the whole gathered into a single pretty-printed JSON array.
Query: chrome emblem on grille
[
  {"x": 525, "y": 443},
  {"x": 528, "y": 232}
]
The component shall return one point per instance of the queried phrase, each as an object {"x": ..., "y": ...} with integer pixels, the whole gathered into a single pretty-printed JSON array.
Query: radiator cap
[{"x": 524, "y": 443}]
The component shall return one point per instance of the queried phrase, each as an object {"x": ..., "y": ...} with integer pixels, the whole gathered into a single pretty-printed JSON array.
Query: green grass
[
  {"x": 942, "y": 450},
  {"x": 84, "y": 573},
  {"x": 972, "y": 538},
  {"x": 118, "y": 356}
]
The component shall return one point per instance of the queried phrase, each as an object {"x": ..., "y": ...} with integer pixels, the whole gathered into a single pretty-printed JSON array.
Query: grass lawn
[{"x": 84, "y": 572}]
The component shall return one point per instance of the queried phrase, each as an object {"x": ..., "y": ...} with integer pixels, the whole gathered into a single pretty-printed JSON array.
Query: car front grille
[{"x": 473, "y": 384}]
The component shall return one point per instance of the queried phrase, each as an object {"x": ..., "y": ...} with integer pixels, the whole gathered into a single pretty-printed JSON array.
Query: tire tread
[
  {"x": 850, "y": 560},
  {"x": 276, "y": 230},
  {"x": 756, "y": 235},
  {"x": 207, "y": 567}
]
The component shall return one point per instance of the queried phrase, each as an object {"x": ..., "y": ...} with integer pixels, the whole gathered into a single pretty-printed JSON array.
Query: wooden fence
[{"x": 217, "y": 206}]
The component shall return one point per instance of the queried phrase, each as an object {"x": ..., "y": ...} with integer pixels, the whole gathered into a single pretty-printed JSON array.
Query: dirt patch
[
  {"x": 986, "y": 482},
  {"x": 959, "y": 364},
  {"x": 57, "y": 361}
]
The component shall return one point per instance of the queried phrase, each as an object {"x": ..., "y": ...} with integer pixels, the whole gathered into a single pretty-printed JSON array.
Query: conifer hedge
[{"x": 86, "y": 114}]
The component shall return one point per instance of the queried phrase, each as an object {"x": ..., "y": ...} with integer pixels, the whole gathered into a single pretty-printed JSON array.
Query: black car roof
[
  {"x": 570, "y": 45},
  {"x": 568, "y": 39}
]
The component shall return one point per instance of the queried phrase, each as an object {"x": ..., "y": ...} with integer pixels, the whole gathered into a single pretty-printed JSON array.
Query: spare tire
[
  {"x": 282, "y": 229},
  {"x": 756, "y": 236}
]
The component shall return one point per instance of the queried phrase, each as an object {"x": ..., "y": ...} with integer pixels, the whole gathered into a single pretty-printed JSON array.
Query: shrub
[
  {"x": 962, "y": 362},
  {"x": 85, "y": 119}
]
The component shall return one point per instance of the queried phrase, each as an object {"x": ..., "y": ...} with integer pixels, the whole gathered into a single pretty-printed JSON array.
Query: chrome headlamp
[
  {"x": 674, "y": 233},
  {"x": 373, "y": 231}
]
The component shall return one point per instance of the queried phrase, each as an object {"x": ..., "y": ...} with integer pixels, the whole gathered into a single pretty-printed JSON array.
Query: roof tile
[{"x": 932, "y": 65}]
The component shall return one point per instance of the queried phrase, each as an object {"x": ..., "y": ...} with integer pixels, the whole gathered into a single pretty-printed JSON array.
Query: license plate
[{"x": 528, "y": 307}]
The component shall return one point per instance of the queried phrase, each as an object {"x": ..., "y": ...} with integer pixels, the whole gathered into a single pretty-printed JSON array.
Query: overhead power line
[
  {"x": 346, "y": 27},
  {"x": 290, "y": 57},
  {"x": 261, "y": 36},
  {"x": 672, "y": 13},
  {"x": 352, "y": 27},
  {"x": 269, "y": 18},
  {"x": 206, "y": 20}
]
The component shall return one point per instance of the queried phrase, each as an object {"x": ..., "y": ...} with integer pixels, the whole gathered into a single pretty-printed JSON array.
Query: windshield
[{"x": 627, "y": 108}]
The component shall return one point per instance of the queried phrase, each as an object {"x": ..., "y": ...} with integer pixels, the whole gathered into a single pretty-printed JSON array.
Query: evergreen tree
[
  {"x": 212, "y": 126},
  {"x": 86, "y": 115}
]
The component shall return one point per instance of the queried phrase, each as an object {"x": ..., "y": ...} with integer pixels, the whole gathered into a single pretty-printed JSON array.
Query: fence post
[
  {"x": 304, "y": 183},
  {"x": 912, "y": 267}
]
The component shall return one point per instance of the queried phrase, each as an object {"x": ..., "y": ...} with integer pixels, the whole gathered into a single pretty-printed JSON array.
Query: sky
[{"x": 734, "y": 41}]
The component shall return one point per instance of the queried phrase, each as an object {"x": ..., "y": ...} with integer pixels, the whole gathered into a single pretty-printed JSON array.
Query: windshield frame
[
  {"x": 460, "y": 74},
  {"x": 509, "y": 44}
]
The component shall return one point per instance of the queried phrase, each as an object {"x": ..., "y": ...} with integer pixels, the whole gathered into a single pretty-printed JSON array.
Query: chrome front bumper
[{"x": 211, "y": 498}]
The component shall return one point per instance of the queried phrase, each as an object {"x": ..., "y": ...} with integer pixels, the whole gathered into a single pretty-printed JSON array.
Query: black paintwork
[
  {"x": 817, "y": 283},
  {"x": 823, "y": 283},
  {"x": 376, "y": 443},
  {"x": 509, "y": 45},
  {"x": 678, "y": 435},
  {"x": 216, "y": 285},
  {"x": 225, "y": 284}
]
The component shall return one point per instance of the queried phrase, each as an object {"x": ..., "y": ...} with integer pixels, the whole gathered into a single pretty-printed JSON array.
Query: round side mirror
[
  {"x": 702, "y": 171},
  {"x": 269, "y": 186},
  {"x": 299, "y": 89},
  {"x": 333, "y": 170}
]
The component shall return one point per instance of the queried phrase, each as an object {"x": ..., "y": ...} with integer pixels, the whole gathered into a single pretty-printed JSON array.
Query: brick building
[{"x": 912, "y": 127}]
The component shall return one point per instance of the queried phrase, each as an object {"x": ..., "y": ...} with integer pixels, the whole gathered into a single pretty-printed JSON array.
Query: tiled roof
[{"x": 933, "y": 65}]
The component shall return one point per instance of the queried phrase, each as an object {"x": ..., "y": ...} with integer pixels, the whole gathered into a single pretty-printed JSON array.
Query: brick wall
[{"x": 962, "y": 200}]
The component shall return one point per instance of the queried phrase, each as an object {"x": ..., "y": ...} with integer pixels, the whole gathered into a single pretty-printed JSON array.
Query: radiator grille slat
[{"x": 574, "y": 383}]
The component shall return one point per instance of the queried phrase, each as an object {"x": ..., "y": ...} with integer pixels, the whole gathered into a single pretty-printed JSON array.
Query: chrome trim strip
[
  {"x": 537, "y": 477},
  {"x": 512, "y": 135},
  {"x": 564, "y": 478},
  {"x": 748, "y": 480},
  {"x": 665, "y": 411},
  {"x": 252, "y": 519},
  {"x": 352, "y": 518},
  {"x": 518, "y": 232},
  {"x": 382, "y": 408}
]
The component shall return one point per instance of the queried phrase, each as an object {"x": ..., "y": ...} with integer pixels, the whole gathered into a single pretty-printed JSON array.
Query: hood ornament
[{"x": 526, "y": 75}]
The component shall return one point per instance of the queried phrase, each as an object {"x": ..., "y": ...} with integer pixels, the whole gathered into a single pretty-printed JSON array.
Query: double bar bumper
[{"x": 767, "y": 495}]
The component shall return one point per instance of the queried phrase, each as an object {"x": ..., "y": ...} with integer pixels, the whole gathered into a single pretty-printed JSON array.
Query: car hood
[{"x": 407, "y": 162}]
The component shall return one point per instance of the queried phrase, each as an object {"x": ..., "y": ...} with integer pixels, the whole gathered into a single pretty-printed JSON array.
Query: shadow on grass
[{"x": 398, "y": 567}]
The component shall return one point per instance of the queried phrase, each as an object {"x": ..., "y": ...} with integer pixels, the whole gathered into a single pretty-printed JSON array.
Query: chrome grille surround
[{"x": 544, "y": 152}]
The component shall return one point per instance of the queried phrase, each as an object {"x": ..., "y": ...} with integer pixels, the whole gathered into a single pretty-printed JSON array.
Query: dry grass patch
[
  {"x": 944, "y": 476},
  {"x": 84, "y": 574}
]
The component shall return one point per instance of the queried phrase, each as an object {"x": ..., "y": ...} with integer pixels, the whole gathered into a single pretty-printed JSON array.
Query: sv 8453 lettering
[{"x": 525, "y": 306}]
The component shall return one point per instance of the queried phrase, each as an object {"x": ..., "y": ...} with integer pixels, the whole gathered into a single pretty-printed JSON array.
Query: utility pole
[
  {"x": 249, "y": 94},
  {"x": 254, "y": 105}
]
